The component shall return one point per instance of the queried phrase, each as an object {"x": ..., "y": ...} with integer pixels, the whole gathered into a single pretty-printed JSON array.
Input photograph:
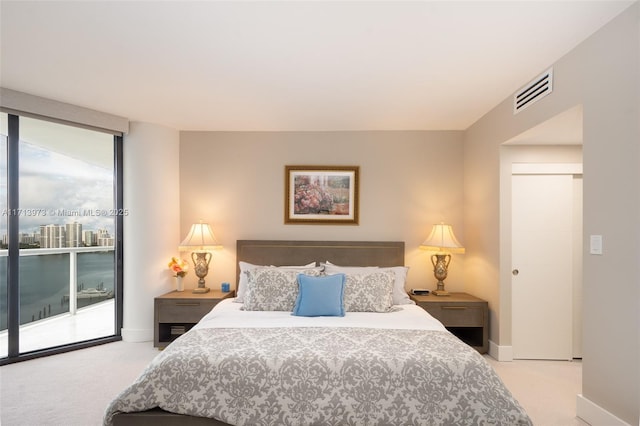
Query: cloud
[{"x": 54, "y": 186}]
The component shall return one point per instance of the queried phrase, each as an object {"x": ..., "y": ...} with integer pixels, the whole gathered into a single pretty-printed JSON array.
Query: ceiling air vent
[{"x": 537, "y": 89}]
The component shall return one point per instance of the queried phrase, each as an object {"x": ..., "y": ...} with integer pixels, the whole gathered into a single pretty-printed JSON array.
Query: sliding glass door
[{"x": 68, "y": 223}]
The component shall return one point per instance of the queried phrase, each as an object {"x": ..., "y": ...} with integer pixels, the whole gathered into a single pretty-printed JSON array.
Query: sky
[{"x": 58, "y": 189}]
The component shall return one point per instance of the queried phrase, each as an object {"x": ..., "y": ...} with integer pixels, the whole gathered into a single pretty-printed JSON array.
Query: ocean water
[{"x": 44, "y": 282}]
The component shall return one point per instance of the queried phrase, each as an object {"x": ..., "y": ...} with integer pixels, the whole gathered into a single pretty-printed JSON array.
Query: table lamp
[
  {"x": 200, "y": 240},
  {"x": 443, "y": 242}
]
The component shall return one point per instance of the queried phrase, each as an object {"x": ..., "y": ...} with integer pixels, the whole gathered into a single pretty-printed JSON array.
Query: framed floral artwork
[{"x": 321, "y": 194}]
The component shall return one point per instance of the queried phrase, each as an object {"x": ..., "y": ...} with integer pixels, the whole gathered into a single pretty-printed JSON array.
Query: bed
[{"x": 352, "y": 350}]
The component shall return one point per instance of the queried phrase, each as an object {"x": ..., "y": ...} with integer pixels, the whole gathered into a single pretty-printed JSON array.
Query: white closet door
[{"x": 542, "y": 287}]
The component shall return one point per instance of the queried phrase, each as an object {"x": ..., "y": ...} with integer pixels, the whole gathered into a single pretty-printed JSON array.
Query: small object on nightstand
[
  {"x": 419, "y": 291},
  {"x": 226, "y": 287},
  {"x": 177, "y": 330}
]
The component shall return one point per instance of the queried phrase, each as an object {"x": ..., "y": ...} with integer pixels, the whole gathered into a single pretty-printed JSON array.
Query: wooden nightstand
[
  {"x": 464, "y": 315},
  {"x": 176, "y": 312}
]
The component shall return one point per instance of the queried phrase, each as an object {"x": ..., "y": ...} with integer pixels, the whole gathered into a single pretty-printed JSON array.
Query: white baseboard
[
  {"x": 596, "y": 415},
  {"x": 137, "y": 335},
  {"x": 500, "y": 353}
]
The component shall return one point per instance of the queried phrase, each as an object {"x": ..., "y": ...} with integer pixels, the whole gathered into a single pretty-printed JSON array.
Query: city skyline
[{"x": 61, "y": 236}]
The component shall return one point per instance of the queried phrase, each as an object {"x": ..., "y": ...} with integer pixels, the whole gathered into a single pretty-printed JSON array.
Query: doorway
[{"x": 552, "y": 147}]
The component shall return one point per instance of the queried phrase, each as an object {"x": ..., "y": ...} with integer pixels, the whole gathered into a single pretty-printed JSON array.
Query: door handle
[{"x": 515, "y": 272}]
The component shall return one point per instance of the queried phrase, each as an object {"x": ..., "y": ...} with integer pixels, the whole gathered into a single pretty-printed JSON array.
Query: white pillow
[
  {"x": 400, "y": 296},
  {"x": 241, "y": 289},
  {"x": 330, "y": 269},
  {"x": 245, "y": 267}
]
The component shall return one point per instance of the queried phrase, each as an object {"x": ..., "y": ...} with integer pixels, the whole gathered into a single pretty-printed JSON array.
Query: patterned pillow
[
  {"x": 273, "y": 289},
  {"x": 372, "y": 292},
  {"x": 400, "y": 296},
  {"x": 242, "y": 279}
]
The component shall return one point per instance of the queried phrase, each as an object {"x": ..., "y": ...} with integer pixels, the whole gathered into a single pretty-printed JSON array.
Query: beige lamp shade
[
  {"x": 442, "y": 240},
  {"x": 200, "y": 237}
]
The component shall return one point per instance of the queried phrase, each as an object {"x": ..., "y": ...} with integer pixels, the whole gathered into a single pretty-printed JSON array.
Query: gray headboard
[{"x": 344, "y": 253}]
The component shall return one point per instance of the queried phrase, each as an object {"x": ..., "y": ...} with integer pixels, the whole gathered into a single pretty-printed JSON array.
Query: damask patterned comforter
[{"x": 323, "y": 376}]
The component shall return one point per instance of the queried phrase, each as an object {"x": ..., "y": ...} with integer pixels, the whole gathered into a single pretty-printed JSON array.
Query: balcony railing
[
  {"x": 97, "y": 319},
  {"x": 74, "y": 289}
]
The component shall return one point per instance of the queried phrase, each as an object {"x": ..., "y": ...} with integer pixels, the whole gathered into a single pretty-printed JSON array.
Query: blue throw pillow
[{"x": 320, "y": 296}]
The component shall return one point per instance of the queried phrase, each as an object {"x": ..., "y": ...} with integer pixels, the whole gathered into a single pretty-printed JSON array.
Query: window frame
[{"x": 13, "y": 252}]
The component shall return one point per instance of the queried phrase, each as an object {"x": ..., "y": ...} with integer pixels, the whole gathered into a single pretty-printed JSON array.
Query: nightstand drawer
[
  {"x": 185, "y": 310},
  {"x": 177, "y": 311},
  {"x": 464, "y": 315},
  {"x": 455, "y": 314}
]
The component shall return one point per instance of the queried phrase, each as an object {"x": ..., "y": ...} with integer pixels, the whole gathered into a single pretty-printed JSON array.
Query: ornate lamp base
[
  {"x": 440, "y": 263},
  {"x": 201, "y": 262}
]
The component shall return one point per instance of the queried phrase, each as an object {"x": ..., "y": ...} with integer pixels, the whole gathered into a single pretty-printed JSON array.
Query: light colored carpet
[
  {"x": 73, "y": 389},
  {"x": 546, "y": 389}
]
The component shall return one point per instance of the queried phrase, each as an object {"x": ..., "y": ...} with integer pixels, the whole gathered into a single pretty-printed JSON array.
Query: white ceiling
[{"x": 305, "y": 65}]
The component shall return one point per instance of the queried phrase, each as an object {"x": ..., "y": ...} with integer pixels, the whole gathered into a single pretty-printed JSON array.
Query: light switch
[{"x": 596, "y": 244}]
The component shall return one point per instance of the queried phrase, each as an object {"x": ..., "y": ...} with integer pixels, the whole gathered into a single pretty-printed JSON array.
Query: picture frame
[{"x": 327, "y": 195}]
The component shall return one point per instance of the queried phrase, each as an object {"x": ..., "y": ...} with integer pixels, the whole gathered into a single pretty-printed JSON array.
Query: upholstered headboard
[{"x": 343, "y": 253}]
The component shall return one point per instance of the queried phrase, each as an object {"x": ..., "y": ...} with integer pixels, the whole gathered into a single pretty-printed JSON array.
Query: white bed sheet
[{"x": 228, "y": 314}]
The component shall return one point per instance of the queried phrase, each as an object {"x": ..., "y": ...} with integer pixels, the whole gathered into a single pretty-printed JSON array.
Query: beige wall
[
  {"x": 602, "y": 74},
  {"x": 150, "y": 229},
  {"x": 408, "y": 181}
]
